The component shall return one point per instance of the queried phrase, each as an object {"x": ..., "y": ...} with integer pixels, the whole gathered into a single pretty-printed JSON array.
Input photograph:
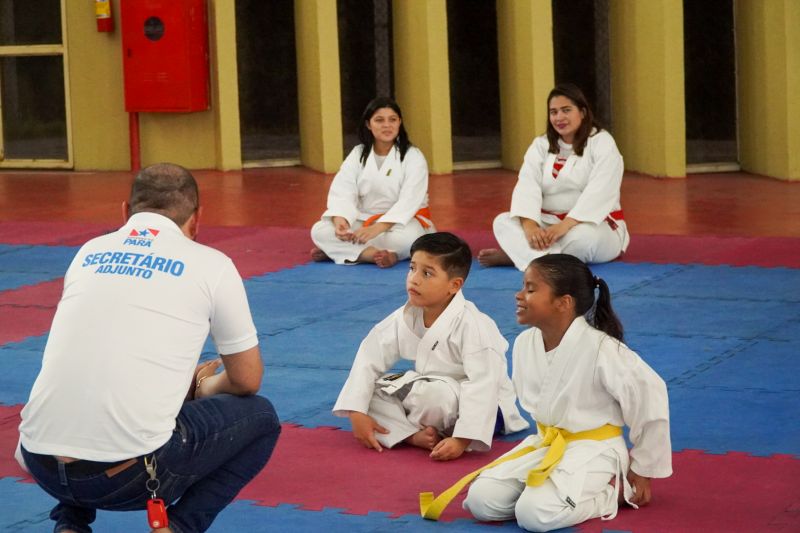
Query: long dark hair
[
  {"x": 566, "y": 274},
  {"x": 572, "y": 92},
  {"x": 365, "y": 136}
]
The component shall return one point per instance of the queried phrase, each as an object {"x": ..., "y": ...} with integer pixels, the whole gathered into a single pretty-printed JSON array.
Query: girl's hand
[
  {"x": 364, "y": 235},
  {"x": 534, "y": 234},
  {"x": 341, "y": 228},
  {"x": 641, "y": 488},
  {"x": 556, "y": 231}
]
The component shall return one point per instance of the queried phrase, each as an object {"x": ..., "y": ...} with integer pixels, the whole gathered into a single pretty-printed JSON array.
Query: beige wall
[{"x": 97, "y": 106}]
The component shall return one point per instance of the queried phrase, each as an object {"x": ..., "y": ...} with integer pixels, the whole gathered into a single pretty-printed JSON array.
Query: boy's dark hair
[
  {"x": 566, "y": 274},
  {"x": 166, "y": 189},
  {"x": 454, "y": 254}
]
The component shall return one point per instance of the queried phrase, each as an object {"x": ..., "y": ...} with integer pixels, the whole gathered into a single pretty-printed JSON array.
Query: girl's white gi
[
  {"x": 398, "y": 190},
  {"x": 587, "y": 189},
  {"x": 460, "y": 376},
  {"x": 593, "y": 380}
]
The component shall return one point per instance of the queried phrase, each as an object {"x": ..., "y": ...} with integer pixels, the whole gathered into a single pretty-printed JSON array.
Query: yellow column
[
  {"x": 647, "y": 85},
  {"x": 768, "y": 76},
  {"x": 318, "y": 86},
  {"x": 525, "y": 47},
  {"x": 225, "y": 84},
  {"x": 422, "y": 78}
]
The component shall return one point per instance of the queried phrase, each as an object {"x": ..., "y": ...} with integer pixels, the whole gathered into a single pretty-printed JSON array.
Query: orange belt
[
  {"x": 611, "y": 218},
  {"x": 421, "y": 216}
]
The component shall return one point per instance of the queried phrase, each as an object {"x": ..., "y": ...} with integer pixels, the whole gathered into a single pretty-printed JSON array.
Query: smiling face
[
  {"x": 428, "y": 284},
  {"x": 384, "y": 125},
  {"x": 536, "y": 303},
  {"x": 565, "y": 117}
]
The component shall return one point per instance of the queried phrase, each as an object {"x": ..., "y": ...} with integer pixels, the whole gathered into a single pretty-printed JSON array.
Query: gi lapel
[
  {"x": 563, "y": 359},
  {"x": 439, "y": 331}
]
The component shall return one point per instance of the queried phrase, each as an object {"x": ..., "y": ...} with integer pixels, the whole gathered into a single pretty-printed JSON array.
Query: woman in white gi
[
  {"x": 378, "y": 201},
  {"x": 567, "y": 195},
  {"x": 581, "y": 384}
]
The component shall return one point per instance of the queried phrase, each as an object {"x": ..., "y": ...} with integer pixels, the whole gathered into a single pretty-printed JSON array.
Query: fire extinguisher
[{"x": 102, "y": 11}]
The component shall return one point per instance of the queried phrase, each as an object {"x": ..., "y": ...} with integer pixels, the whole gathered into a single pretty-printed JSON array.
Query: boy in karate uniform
[{"x": 459, "y": 392}]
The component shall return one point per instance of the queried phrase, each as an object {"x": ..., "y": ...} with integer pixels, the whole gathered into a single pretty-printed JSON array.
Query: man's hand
[
  {"x": 208, "y": 368},
  {"x": 366, "y": 234},
  {"x": 449, "y": 448},
  {"x": 641, "y": 488},
  {"x": 364, "y": 428},
  {"x": 341, "y": 228}
]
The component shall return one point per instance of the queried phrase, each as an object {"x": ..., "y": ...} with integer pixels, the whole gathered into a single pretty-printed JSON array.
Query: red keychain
[
  {"x": 157, "y": 513},
  {"x": 156, "y": 510}
]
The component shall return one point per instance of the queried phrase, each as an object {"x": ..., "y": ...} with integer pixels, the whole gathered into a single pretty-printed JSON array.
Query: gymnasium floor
[{"x": 709, "y": 292}]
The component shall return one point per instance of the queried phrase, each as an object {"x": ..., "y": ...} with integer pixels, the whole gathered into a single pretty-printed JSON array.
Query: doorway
[
  {"x": 34, "y": 119},
  {"x": 710, "y": 86},
  {"x": 267, "y": 66},
  {"x": 474, "y": 83}
]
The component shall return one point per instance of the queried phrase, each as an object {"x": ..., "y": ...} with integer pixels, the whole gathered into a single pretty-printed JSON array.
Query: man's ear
[
  {"x": 192, "y": 226},
  {"x": 126, "y": 212}
]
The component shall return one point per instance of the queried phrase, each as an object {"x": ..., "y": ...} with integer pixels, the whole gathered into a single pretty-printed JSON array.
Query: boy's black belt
[{"x": 82, "y": 468}]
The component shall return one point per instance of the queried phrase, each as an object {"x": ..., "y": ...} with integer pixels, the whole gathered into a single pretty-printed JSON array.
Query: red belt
[
  {"x": 421, "y": 216},
  {"x": 611, "y": 218}
]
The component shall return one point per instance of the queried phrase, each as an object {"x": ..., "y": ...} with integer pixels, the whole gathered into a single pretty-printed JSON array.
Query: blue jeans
[{"x": 219, "y": 444}]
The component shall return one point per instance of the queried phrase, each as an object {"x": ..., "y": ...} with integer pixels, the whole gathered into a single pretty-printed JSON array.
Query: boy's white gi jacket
[{"x": 463, "y": 346}]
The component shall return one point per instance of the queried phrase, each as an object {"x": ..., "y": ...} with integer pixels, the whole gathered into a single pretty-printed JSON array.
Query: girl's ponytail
[{"x": 604, "y": 318}]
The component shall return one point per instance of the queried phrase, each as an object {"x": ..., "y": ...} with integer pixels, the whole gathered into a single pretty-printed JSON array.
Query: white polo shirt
[{"x": 137, "y": 307}]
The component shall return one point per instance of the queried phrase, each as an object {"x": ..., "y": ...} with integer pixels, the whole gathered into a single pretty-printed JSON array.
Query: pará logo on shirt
[{"x": 143, "y": 237}]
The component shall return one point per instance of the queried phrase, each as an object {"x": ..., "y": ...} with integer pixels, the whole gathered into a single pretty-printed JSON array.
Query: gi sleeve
[
  {"x": 413, "y": 189},
  {"x": 232, "y": 327},
  {"x": 602, "y": 192},
  {"x": 526, "y": 200},
  {"x": 343, "y": 194},
  {"x": 483, "y": 357},
  {"x": 642, "y": 396},
  {"x": 378, "y": 352}
]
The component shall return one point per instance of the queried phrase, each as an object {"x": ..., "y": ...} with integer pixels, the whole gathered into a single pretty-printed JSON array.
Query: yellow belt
[{"x": 556, "y": 438}]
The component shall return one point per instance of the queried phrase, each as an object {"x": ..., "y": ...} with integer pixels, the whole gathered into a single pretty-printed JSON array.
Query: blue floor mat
[
  {"x": 16, "y": 280},
  {"x": 719, "y": 420},
  {"x": 52, "y": 260},
  {"x": 763, "y": 365},
  {"x": 729, "y": 283},
  {"x": 683, "y": 316}
]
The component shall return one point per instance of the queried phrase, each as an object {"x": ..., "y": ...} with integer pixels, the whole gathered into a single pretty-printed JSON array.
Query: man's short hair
[
  {"x": 454, "y": 254},
  {"x": 166, "y": 189}
]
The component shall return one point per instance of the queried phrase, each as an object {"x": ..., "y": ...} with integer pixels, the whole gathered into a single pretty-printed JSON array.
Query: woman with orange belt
[
  {"x": 378, "y": 201},
  {"x": 567, "y": 197}
]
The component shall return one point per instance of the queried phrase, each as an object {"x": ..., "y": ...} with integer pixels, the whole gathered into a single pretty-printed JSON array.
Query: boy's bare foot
[
  {"x": 385, "y": 258},
  {"x": 318, "y": 255},
  {"x": 424, "y": 438},
  {"x": 490, "y": 257}
]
